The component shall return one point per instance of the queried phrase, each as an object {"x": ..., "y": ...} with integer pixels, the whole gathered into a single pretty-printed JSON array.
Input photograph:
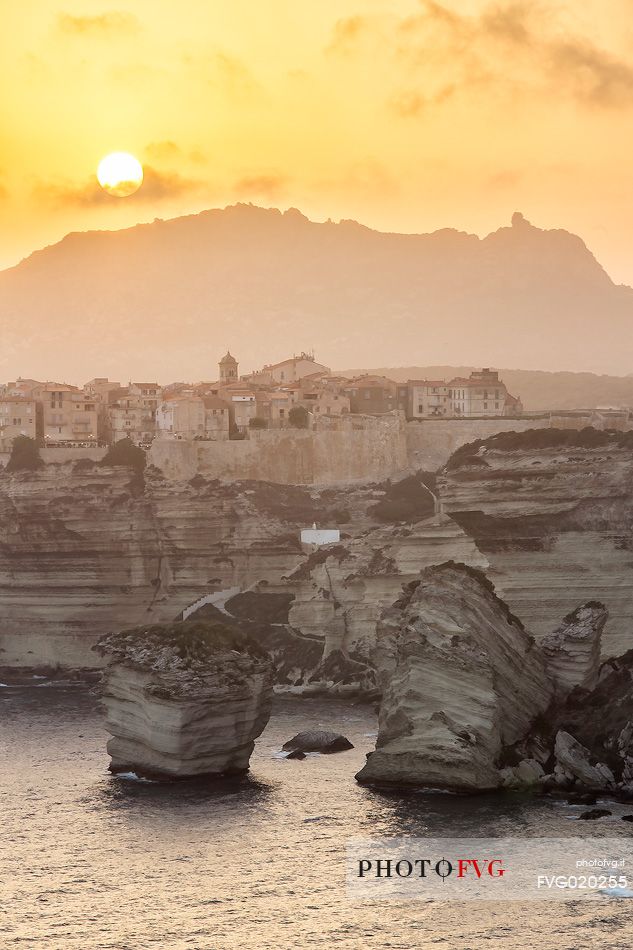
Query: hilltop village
[{"x": 296, "y": 392}]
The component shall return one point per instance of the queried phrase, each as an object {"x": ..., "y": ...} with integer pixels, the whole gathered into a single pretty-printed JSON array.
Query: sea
[{"x": 96, "y": 862}]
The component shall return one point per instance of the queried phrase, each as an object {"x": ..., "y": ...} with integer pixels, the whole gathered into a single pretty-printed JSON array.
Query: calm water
[{"x": 91, "y": 861}]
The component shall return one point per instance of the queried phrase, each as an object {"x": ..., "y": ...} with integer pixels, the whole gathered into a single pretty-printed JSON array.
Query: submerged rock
[
  {"x": 184, "y": 699},
  {"x": 572, "y": 651},
  {"x": 318, "y": 741},
  {"x": 463, "y": 680}
]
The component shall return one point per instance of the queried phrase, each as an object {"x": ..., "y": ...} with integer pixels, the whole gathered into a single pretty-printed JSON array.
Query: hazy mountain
[
  {"x": 164, "y": 300},
  {"x": 537, "y": 389}
]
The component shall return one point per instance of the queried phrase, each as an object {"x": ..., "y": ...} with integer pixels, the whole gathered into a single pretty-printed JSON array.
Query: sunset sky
[{"x": 407, "y": 115}]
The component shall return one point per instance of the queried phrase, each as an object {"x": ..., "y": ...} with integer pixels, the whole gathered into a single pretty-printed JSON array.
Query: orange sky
[{"x": 407, "y": 115}]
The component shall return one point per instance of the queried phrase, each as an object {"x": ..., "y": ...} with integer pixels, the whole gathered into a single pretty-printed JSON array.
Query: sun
[{"x": 120, "y": 174}]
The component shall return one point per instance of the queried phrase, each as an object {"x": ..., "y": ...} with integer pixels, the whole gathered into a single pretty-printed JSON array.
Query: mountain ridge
[{"x": 165, "y": 298}]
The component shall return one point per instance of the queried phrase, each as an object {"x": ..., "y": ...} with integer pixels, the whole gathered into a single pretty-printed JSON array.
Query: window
[
  {"x": 420, "y": 409},
  {"x": 367, "y": 394},
  {"x": 485, "y": 405}
]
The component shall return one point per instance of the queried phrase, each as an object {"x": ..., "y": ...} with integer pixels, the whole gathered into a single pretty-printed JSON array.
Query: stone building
[
  {"x": 190, "y": 417},
  {"x": 372, "y": 395},
  {"x": 428, "y": 398},
  {"x": 482, "y": 394},
  {"x": 325, "y": 402},
  {"x": 70, "y": 415},
  {"x": 290, "y": 370},
  {"x": 19, "y": 415},
  {"x": 129, "y": 418}
]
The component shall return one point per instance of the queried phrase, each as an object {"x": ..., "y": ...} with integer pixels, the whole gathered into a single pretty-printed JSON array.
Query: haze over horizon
[{"x": 406, "y": 115}]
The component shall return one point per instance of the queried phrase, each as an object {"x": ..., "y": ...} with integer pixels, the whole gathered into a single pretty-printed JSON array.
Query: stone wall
[
  {"x": 431, "y": 442},
  {"x": 353, "y": 450}
]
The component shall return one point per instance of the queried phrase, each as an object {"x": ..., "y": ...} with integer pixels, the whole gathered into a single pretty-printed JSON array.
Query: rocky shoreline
[
  {"x": 401, "y": 611},
  {"x": 473, "y": 703}
]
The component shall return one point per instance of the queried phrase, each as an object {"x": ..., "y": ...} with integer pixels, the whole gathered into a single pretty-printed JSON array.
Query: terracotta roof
[
  {"x": 372, "y": 381},
  {"x": 60, "y": 387}
]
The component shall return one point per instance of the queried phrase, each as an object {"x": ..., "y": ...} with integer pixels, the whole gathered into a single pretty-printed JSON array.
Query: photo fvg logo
[{"x": 458, "y": 868}]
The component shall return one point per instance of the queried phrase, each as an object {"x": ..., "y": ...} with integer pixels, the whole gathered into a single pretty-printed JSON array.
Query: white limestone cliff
[
  {"x": 184, "y": 699},
  {"x": 463, "y": 680},
  {"x": 552, "y": 511},
  {"x": 572, "y": 651}
]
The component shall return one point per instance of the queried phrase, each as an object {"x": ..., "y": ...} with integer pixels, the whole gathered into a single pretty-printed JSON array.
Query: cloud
[
  {"x": 163, "y": 151},
  {"x": 590, "y": 74},
  {"x": 167, "y": 184},
  {"x": 347, "y": 32},
  {"x": 267, "y": 185},
  {"x": 224, "y": 71},
  {"x": 510, "y": 22},
  {"x": 157, "y": 185},
  {"x": 112, "y": 22},
  {"x": 515, "y": 48},
  {"x": 410, "y": 104},
  {"x": 506, "y": 178}
]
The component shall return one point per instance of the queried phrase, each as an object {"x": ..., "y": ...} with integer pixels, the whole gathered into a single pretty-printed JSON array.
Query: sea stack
[
  {"x": 572, "y": 651},
  {"x": 464, "y": 680},
  {"x": 184, "y": 699}
]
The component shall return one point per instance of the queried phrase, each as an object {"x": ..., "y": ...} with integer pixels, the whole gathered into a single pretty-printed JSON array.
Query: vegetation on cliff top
[
  {"x": 535, "y": 439},
  {"x": 125, "y": 452},
  {"x": 172, "y": 647},
  {"x": 25, "y": 455},
  {"x": 408, "y": 500},
  {"x": 299, "y": 417}
]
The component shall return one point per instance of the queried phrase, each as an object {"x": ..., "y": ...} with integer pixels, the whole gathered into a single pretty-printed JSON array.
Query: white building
[
  {"x": 317, "y": 537},
  {"x": 289, "y": 371}
]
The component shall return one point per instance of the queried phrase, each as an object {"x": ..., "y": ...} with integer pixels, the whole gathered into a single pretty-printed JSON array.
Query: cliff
[
  {"x": 552, "y": 511},
  {"x": 184, "y": 699},
  {"x": 85, "y": 548},
  {"x": 463, "y": 680}
]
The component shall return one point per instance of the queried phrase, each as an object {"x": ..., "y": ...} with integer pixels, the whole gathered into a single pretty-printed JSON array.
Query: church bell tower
[{"x": 228, "y": 369}]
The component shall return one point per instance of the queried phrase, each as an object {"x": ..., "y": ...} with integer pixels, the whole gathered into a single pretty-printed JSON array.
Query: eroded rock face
[
  {"x": 601, "y": 720},
  {"x": 184, "y": 699},
  {"x": 87, "y": 548},
  {"x": 572, "y": 651},
  {"x": 341, "y": 593},
  {"x": 463, "y": 680},
  {"x": 552, "y": 511},
  {"x": 574, "y": 765}
]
